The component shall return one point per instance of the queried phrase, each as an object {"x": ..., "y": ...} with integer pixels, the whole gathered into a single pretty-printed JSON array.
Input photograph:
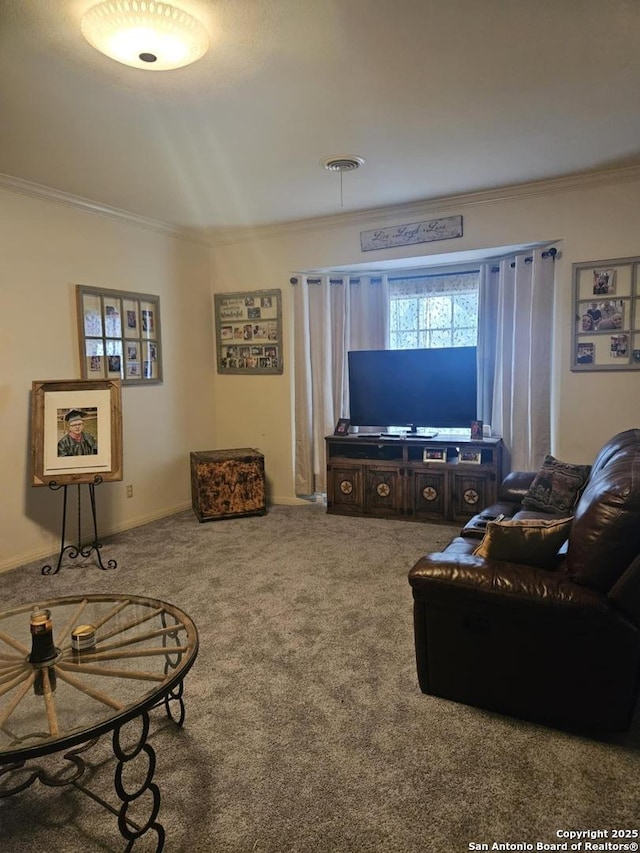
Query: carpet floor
[{"x": 305, "y": 729}]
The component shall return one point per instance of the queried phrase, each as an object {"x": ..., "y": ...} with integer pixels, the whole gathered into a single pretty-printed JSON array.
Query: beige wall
[
  {"x": 599, "y": 220},
  {"x": 45, "y": 249}
]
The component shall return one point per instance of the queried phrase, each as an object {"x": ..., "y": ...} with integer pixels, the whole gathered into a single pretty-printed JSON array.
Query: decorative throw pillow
[
  {"x": 532, "y": 541},
  {"x": 556, "y": 486}
]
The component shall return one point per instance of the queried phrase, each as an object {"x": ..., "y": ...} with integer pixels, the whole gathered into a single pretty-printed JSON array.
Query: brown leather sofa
[{"x": 559, "y": 645}]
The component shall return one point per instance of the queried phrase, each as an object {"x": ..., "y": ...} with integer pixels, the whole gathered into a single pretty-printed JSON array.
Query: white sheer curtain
[
  {"x": 515, "y": 335},
  {"x": 332, "y": 315}
]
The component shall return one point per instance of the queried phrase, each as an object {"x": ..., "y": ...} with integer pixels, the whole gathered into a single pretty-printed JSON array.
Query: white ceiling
[{"x": 439, "y": 96}]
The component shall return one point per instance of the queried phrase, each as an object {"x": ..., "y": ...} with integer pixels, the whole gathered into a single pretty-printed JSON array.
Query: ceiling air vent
[{"x": 342, "y": 163}]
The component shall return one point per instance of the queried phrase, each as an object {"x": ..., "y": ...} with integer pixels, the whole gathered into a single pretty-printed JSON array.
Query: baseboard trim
[
  {"x": 283, "y": 501},
  {"x": 33, "y": 556}
]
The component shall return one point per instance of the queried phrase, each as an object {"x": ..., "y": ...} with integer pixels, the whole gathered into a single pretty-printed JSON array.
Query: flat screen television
[{"x": 413, "y": 387}]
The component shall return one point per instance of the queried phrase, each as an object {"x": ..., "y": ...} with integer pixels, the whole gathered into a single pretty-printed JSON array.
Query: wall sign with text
[{"x": 415, "y": 232}]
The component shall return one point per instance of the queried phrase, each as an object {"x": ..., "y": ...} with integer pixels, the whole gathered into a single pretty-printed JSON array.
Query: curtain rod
[
  {"x": 548, "y": 253},
  {"x": 432, "y": 275},
  {"x": 376, "y": 278}
]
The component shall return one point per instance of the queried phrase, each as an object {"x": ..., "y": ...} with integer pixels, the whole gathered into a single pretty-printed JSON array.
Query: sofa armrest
[
  {"x": 517, "y": 589},
  {"x": 625, "y": 593},
  {"x": 515, "y": 486}
]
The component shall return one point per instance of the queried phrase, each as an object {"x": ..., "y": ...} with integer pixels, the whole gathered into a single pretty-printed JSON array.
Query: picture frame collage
[
  {"x": 606, "y": 324},
  {"x": 249, "y": 332},
  {"x": 119, "y": 335}
]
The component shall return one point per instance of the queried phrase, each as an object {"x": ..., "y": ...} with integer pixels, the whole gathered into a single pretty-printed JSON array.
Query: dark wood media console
[{"x": 389, "y": 477}]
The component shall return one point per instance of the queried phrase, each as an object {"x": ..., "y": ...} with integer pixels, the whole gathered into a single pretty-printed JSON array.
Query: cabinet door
[
  {"x": 383, "y": 492},
  {"x": 344, "y": 488},
  {"x": 470, "y": 493},
  {"x": 427, "y": 496}
]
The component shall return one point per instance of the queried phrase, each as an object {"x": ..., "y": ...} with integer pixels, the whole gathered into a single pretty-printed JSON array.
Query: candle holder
[
  {"x": 43, "y": 651},
  {"x": 83, "y": 638}
]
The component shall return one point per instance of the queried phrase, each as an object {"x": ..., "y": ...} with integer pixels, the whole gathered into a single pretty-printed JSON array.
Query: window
[{"x": 434, "y": 311}]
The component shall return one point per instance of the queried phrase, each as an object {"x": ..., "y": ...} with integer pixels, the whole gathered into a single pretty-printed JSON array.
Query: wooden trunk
[{"x": 227, "y": 483}]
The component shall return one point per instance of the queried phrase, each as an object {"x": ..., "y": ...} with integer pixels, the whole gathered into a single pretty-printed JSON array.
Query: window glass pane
[
  {"x": 114, "y": 359},
  {"x": 440, "y": 312},
  {"x": 464, "y": 338},
  {"x": 92, "y": 315},
  {"x": 148, "y": 319},
  {"x": 406, "y": 312},
  {"x": 441, "y": 338},
  {"x": 434, "y": 311},
  {"x": 94, "y": 347},
  {"x": 150, "y": 362},
  {"x": 131, "y": 318},
  {"x": 465, "y": 309},
  {"x": 406, "y": 340},
  {"x": 112, "y": 318},
  {"x": 393, "y": 314},
  {"x": 132, "y": 359},
  {"x": 94, "y": 352}
]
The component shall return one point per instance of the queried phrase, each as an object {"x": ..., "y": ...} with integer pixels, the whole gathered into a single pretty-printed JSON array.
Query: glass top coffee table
[{"x": 75, "y": 668}]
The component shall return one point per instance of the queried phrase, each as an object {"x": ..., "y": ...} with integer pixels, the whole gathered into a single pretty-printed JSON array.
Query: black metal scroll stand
[{"x": 75, "y": 551}]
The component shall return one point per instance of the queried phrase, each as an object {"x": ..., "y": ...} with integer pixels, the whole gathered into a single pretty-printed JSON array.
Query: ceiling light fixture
[
  {"x": 145, "y": 34},
  {"x": 342, "y": 163}
]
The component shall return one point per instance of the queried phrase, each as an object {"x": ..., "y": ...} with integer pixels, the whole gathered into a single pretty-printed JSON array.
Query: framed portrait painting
[{"x": 76, "y": 432}]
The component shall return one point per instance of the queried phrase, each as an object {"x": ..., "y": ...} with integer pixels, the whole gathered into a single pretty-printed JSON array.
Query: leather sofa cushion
[
  {"x": 521, "y": 591},
  {"x": 556, "y": 487},
  {"x": 605, "y": 537},
  {"x": 532, "y": 542},
  {"x": 515, "y": 486}
]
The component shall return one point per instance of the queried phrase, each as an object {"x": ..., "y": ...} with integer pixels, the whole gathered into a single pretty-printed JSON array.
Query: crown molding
[
  {"x": 365, "y": 217},
  {"x": 386, "y": 215},
  {"x": 18, "y": 185}
]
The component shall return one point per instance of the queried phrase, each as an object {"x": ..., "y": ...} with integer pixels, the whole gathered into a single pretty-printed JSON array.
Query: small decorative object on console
[
  {"x": 476, "y": 430},
  {"x": 342, "y": 427},
  {"x": 434, "y": 455},
  {"x": 470, "y": 457}
]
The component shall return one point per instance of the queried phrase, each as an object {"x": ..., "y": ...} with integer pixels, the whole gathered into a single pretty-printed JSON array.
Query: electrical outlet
[{"x": 130, "y": 490}]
